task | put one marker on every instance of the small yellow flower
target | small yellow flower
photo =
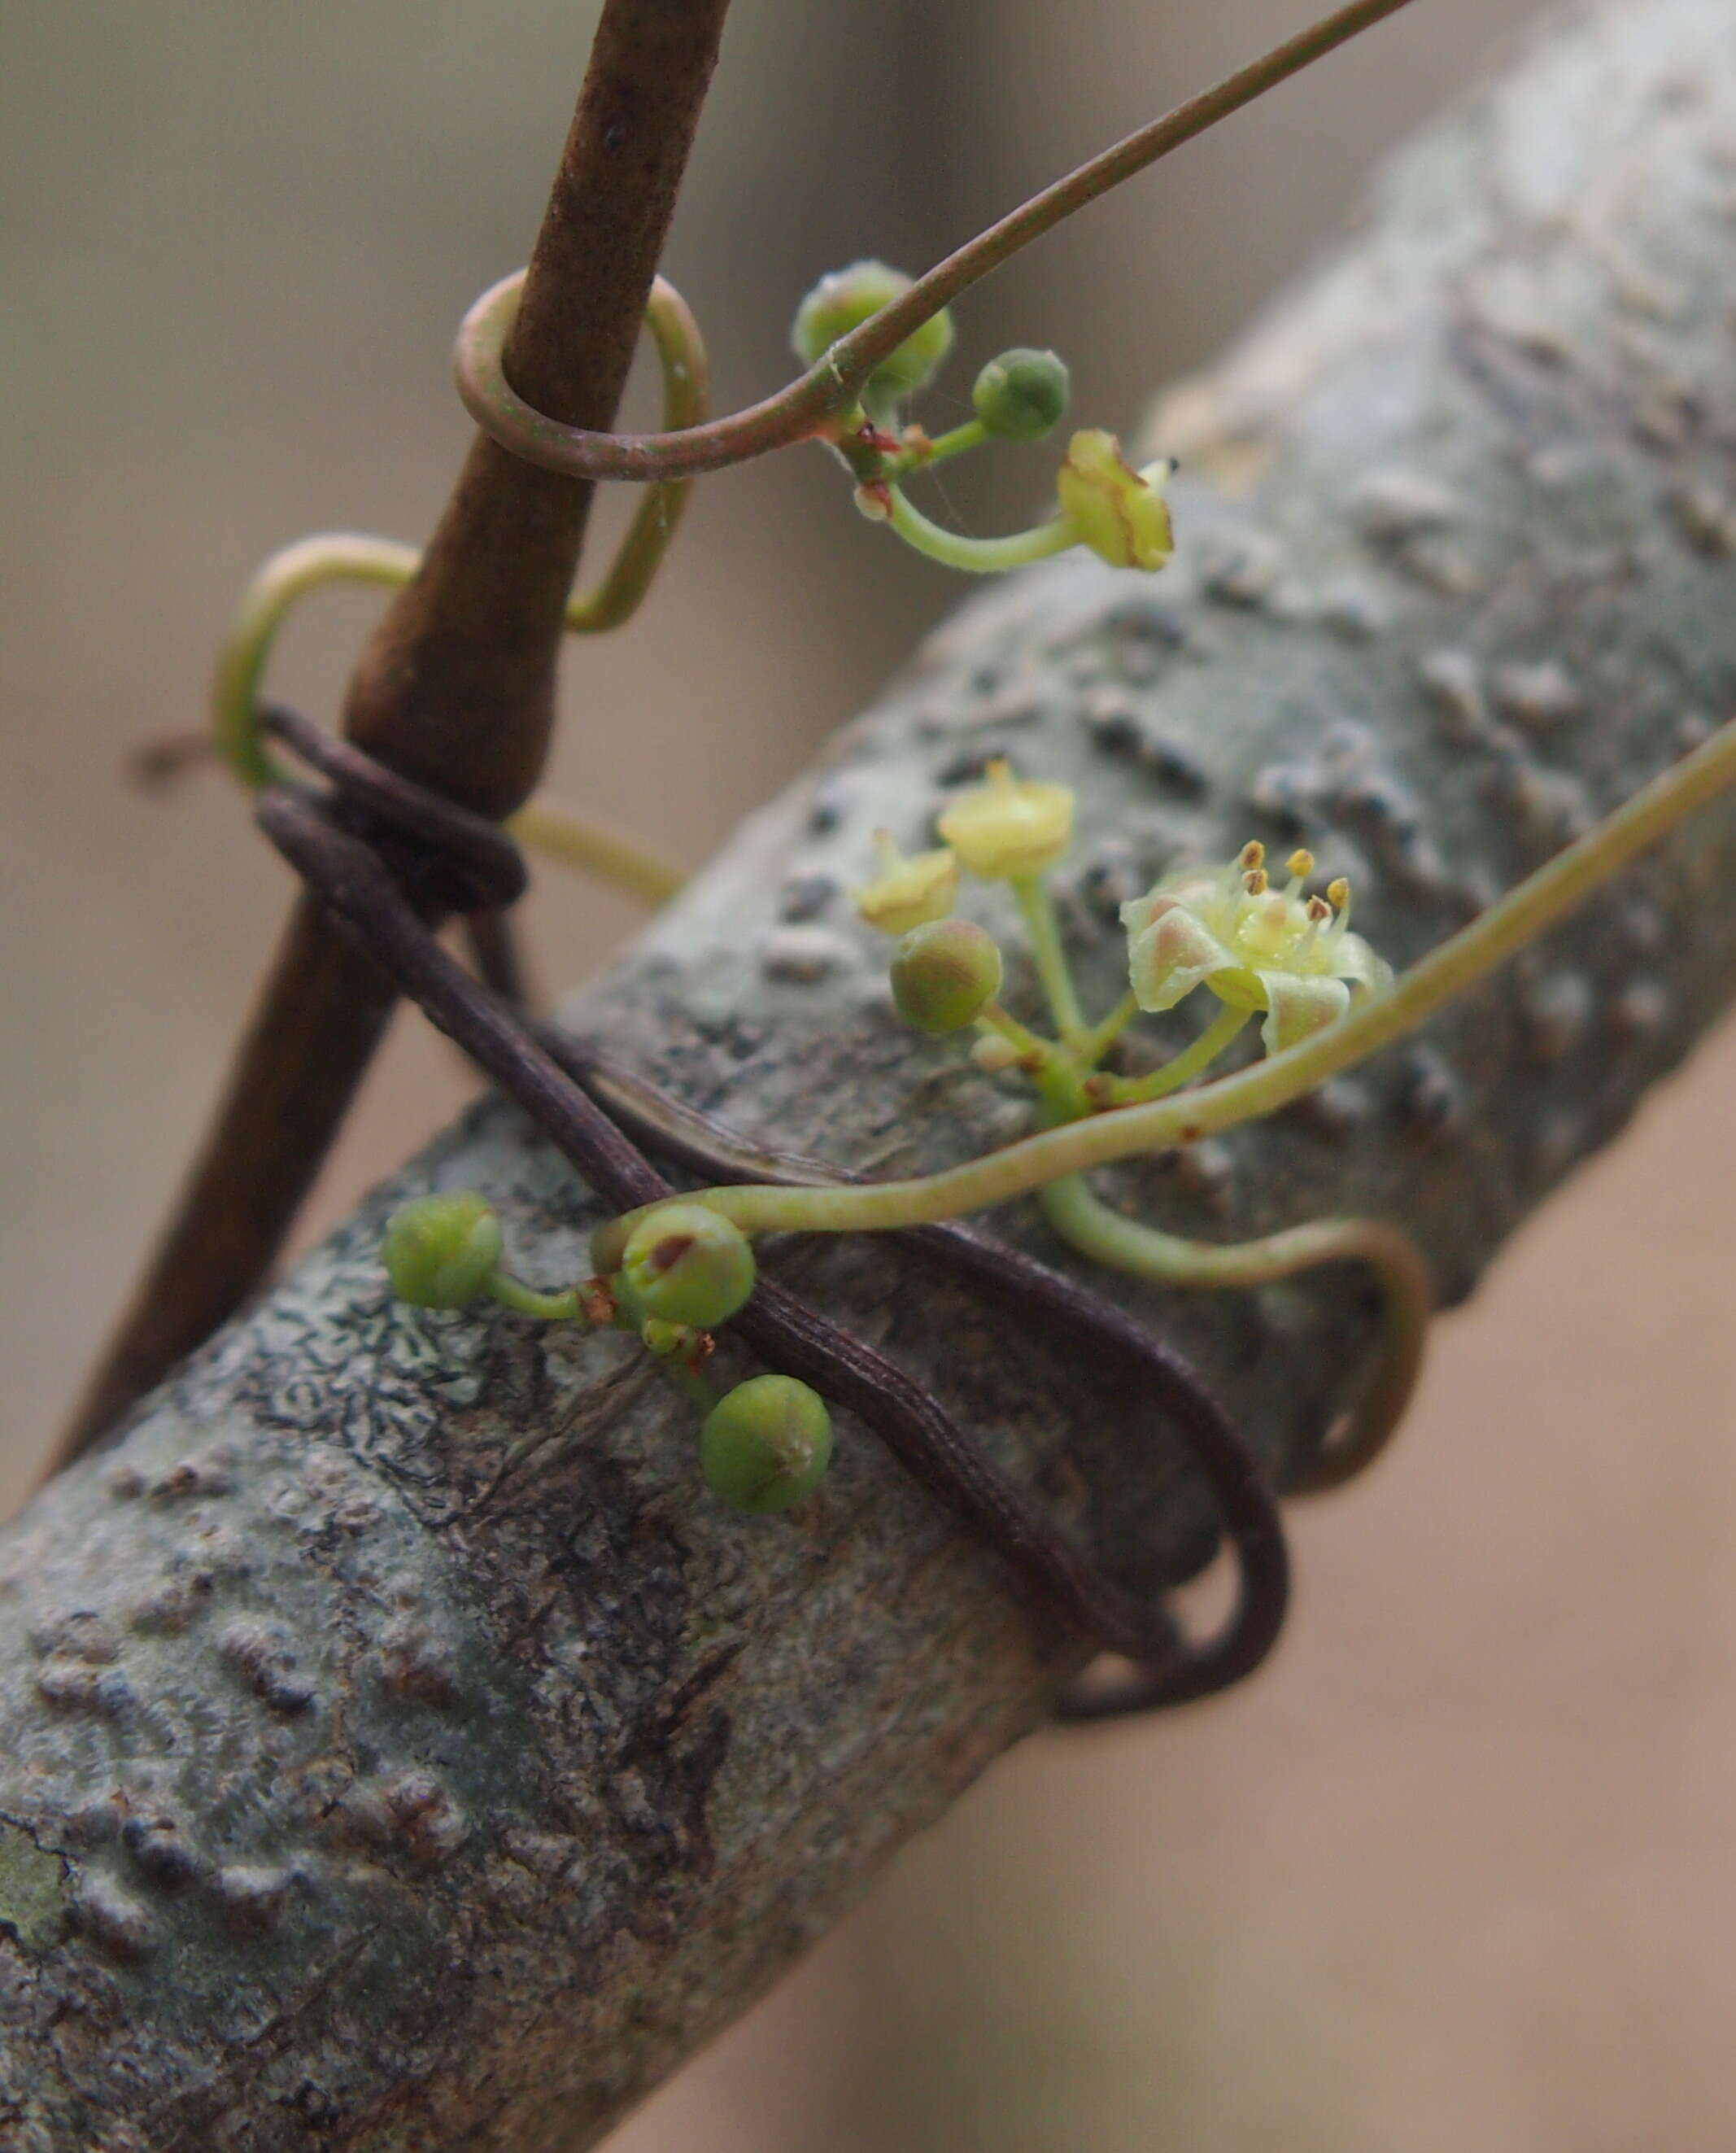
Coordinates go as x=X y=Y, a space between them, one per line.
x=1011 y=827
x=1118 y=512
x=907 y=893
x=1255 y=946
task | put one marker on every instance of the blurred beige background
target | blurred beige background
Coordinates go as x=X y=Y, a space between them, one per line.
x=1455 y=1873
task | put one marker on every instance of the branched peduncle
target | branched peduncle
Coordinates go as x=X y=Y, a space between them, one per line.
x=1465 y=958
x=1256 y=947
x=1330 y=1003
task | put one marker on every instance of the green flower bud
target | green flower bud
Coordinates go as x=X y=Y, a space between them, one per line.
x=944 y=974
x=440 y=1251
x=1021 y=395
x=844 y=301
x=766 y=1444
x=685 y=1263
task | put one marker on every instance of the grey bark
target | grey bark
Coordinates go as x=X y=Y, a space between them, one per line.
x=354 y=1795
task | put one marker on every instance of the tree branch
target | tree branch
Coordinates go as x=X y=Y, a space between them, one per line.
x=394 y=1742
x=456 y=689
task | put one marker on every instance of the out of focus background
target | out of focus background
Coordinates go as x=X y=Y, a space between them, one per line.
x=1456 y=1872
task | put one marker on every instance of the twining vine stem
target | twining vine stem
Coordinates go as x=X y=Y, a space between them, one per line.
x=477 y=627
x=811 y=403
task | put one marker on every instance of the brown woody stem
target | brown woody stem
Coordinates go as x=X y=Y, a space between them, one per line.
x=456 y=690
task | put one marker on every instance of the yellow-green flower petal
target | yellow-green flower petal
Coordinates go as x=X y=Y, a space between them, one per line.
x=1298 y=1007
x=1355 y=961
x=907 y=892
x=1171 y=954
x=1011 y=827
x=1117 y=511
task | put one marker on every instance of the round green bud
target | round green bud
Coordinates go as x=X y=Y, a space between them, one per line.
x=1021 y=395
x=684 y=1263
x=440 y=1251
x=766 y=1444
x=945 y=974
x=844 y=301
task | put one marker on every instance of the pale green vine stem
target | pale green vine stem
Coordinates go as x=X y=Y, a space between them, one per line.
x=1182 y=1068
x=1125 y=1244
x=958 y=441
x=981 y=557
x=562 y=1307
x=546 y=826
x=1459 y=963
x=1037 y=909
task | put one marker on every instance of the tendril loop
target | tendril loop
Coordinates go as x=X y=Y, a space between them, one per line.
x=814 y=402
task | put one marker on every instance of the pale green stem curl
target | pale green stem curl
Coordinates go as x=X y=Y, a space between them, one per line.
x=979 y=557
x=547 y=1307
x=352 y=557
x=1407 y=1298
x=329 y=557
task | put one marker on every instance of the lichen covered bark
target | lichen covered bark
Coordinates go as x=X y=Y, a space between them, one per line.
x=399 y=1749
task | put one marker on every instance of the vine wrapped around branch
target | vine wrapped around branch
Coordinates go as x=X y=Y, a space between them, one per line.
x=348 y=1786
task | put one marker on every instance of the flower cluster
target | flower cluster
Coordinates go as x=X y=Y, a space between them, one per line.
x=945 y=973
x=684 y=1271
x=676 y=1271
x=1279 y=951
x=1102 y=502
x=1002 y=830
